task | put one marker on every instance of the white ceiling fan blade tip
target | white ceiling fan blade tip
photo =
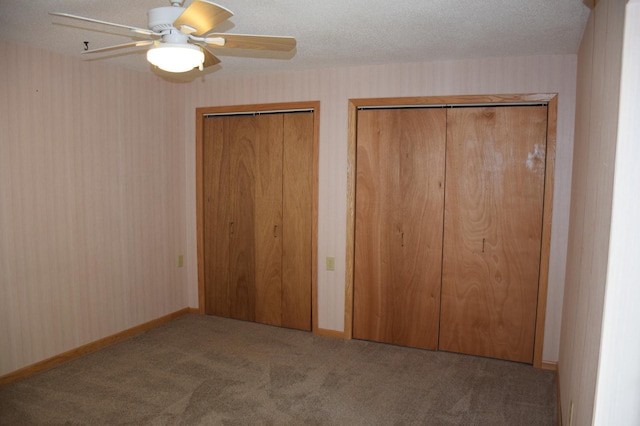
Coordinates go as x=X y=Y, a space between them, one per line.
x=98 y=21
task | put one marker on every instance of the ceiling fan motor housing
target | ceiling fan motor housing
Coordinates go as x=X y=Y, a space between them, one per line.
x=162 y=18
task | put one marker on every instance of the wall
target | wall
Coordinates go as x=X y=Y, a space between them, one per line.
x=91 y=202
x=598 y=89
x=333 y=87
x=618 y=382
x=97 y=166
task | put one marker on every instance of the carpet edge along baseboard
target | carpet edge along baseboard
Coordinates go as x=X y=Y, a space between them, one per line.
x=89 y=347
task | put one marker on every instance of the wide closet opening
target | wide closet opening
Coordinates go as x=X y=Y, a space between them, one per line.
x=257 y=190
x=449 y=222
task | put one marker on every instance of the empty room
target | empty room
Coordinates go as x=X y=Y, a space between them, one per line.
x=337 y=212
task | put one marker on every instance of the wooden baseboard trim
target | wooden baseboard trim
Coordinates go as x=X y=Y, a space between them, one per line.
x=553 y=366
x=329 y=333
x=89 y=347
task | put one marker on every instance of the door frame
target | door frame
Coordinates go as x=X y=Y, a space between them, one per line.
x=489 y=100
x=258 y=108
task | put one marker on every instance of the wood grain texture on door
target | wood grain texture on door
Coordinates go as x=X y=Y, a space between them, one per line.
x=398 y=225
x=242 y=282
x=216 y=215
x=267 y=192
x=495 y=165
x=297 y=191
x=258 y=217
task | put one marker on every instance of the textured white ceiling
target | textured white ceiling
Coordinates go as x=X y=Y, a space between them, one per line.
x=329 y=32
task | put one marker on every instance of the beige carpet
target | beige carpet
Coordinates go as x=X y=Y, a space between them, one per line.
x=203 y=370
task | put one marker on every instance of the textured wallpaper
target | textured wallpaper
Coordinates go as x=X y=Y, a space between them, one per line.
x=97 y=184
x=91 y=203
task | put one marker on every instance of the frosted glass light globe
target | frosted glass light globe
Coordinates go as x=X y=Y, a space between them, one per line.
x=176 y=57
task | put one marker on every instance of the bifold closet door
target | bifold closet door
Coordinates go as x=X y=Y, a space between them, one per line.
x=242 y=173
x=495 y=165
x=257 y=186
x=216 y=215
x=297 y=218
x=398 y=225
x=255 y=248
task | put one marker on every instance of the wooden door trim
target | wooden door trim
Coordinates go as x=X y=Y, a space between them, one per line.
x=282 y=107
x=552 y=110
x=552 y=124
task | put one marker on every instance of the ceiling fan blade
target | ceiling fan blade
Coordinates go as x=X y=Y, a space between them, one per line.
x=120 y=46
x=129 y=27
x=201 y=17
x=245 y=41
x=209 y=58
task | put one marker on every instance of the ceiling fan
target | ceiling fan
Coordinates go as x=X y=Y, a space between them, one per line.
x=180 y=36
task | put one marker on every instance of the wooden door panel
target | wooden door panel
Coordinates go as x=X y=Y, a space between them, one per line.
x=253 y=207
x=268 y=218
x=492 y=232
x=416 y=308
x=377 y=225
x=297 y=217
x=399 y=204
x=216 y=216
x=242 y=286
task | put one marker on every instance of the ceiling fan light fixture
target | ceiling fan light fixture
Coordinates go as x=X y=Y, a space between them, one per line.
x=179 y=37
x=176 y=57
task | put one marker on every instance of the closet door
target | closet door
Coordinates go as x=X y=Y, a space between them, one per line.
x=492 y=230
x=398 y=231
x=258 y=186
x=216 y=215
x=267 y=218
x=242 y=255
x=255 y=248
x=297 y=218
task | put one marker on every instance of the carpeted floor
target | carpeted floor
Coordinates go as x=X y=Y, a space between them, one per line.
x=203 y=370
